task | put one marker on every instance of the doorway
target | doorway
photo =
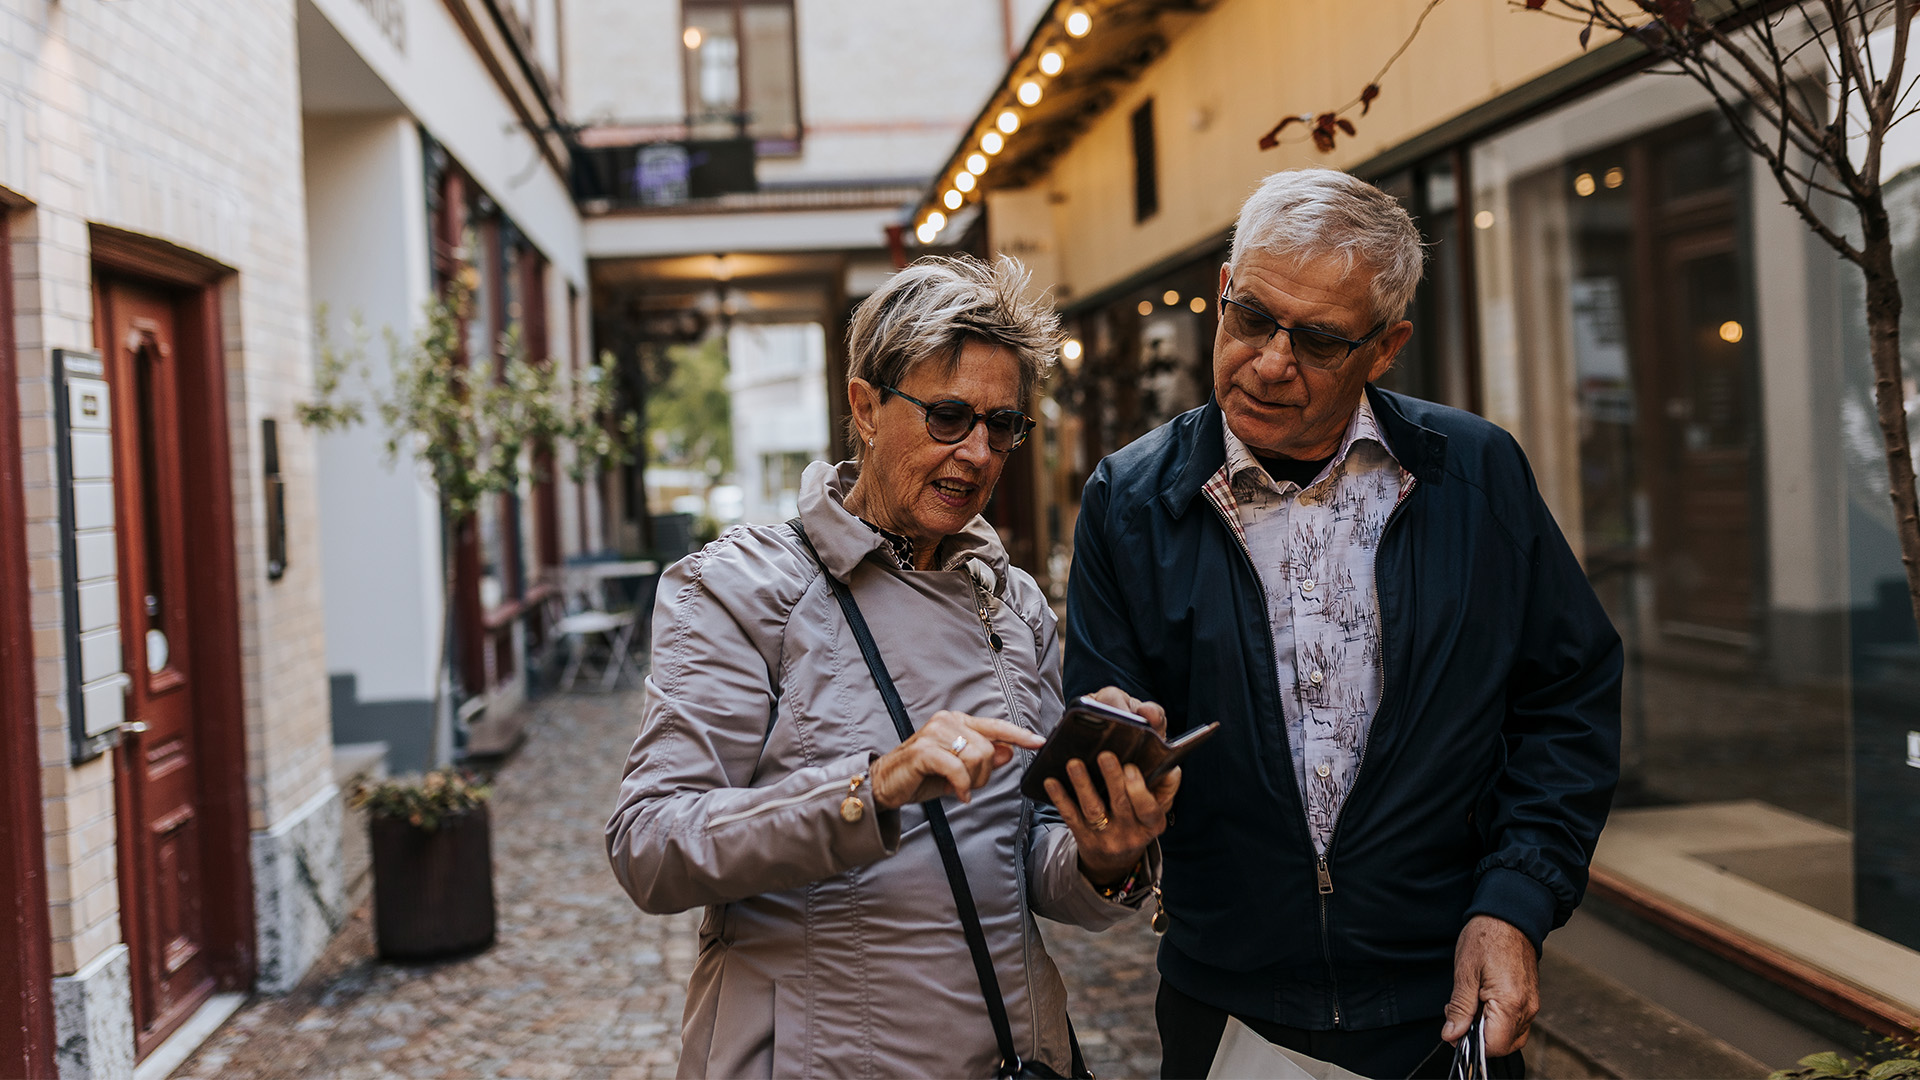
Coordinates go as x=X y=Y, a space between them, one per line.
x=180 y=778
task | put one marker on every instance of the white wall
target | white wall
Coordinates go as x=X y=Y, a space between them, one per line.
x=379 y=524
x=445 y=85
x=777 y=376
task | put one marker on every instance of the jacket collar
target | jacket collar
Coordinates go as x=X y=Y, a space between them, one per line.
x=844 y=541
x=1421 y=450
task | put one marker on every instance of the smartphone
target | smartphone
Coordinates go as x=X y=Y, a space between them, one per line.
x=1089 y=727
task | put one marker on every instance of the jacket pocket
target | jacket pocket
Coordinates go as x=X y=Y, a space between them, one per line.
x=792 y=1029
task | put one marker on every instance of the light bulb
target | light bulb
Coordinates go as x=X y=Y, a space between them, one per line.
x=936 y=221
x=1051 y=62
x=1171 y=298
x=926 y=233
x=1008 y=121
x=1029 y=93
x=964 y=180
x=692 y=37
x=1079 y=23
x=1071 y=350
x=976 y=163
x=991 y=142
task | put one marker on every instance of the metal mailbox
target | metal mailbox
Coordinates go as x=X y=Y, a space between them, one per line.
x=90 y=567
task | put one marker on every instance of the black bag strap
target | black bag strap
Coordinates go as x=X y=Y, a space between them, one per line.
x=1010 y=1063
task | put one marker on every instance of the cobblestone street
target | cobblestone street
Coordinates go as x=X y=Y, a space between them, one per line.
x=580 y=983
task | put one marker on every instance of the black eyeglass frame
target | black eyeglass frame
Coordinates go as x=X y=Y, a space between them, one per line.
x=1279 y=327
x=973 y=420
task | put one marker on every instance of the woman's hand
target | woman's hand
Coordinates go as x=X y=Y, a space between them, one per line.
x=1113 y=838
x=953 y=754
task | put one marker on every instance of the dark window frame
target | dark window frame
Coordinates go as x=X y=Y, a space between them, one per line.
x=765 y=145
x=1146 y=163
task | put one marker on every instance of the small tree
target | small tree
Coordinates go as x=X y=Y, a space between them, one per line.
x=1811 y=88
x=472 y=424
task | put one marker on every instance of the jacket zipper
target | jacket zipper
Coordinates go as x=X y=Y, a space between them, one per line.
x=983 y=607
x=776 y=804
x=1323 y=872
x=1380 y=699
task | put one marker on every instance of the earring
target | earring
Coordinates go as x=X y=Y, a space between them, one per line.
x=869 y=440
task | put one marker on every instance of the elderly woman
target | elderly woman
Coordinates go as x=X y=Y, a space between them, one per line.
x=770 y=784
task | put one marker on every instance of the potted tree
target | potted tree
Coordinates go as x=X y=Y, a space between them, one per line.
x=431 y=841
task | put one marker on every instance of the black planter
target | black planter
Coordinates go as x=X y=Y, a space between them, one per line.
x=432 y=889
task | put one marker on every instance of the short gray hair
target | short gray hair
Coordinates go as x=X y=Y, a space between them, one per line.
x=1308 y=213
x=932 y=309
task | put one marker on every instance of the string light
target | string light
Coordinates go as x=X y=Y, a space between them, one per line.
x=976 y=163
x=1029 y=93
x=991 y=142
x=1051 y=62
x=953 y=199
x=1071 y=350
x=1171 y=298
x=1008 y=121
x=926 y=233
x=936 y=221
x=1079 y=23
x=692 y=37
x=963 y=180
x=1199 y=305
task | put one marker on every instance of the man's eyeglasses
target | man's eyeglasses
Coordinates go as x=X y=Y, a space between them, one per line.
x=1314 y=348
x=951 y=421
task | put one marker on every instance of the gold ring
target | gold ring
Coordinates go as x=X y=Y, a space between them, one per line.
x=959 y=744
x=1099 y=826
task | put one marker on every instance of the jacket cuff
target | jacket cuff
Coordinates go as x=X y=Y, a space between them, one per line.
x=1513 y=897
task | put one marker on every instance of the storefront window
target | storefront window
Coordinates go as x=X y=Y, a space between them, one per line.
x=1689 y=408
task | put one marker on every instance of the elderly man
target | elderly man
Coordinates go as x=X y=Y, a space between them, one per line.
x=1419 y=693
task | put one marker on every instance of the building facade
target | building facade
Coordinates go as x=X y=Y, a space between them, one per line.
x=172 y=665
x=436 y=147
x=748 y=163
x=199 y=596
x=1611 y=279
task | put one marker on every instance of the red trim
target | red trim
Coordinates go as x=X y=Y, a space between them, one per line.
x=213 y=592
x=26 y=937
x=1751 y=954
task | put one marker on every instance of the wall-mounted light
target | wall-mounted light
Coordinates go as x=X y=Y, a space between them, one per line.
x=1079 y=23
x=1008 y=121
x=1029 y=93
x=1051 y=62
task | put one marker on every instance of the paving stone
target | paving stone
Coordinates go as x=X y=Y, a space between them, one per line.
x=580 y=982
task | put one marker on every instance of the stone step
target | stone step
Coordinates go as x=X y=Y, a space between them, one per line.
x=1593 y=1028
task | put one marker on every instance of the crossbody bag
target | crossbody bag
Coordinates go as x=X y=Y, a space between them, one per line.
x=1011 y=1064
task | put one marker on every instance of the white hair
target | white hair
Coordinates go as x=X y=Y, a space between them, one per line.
x=933 y=308
x=1310 y=213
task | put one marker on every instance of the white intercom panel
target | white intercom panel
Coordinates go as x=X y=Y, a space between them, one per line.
x=96 y=681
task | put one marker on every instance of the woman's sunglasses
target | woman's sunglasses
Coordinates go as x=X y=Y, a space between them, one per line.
x=951 y=421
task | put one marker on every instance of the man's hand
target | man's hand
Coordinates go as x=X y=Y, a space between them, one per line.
x=1494 y=966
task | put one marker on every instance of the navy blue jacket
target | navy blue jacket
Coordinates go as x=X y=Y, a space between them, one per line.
x=1492 y=758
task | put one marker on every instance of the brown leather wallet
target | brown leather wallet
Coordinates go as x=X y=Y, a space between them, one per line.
x=1090 y=727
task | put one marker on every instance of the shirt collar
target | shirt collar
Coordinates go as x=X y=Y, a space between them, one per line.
x=1362 y=426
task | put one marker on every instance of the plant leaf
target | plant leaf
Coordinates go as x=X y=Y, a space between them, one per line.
x=1586 y=35
x=1828 y=1063
x=1536 y=5
x=1677 y=13
x=1345 y=125
x=1366 y=97
x=1894 y=1070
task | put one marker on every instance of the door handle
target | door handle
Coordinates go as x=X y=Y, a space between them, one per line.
x=134 y=727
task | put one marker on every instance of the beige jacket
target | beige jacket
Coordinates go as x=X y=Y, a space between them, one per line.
x=832 y=948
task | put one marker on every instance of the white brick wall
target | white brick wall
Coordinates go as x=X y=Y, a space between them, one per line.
x=180 y=121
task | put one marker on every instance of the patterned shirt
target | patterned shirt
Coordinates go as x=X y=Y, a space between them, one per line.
x=1313 y=550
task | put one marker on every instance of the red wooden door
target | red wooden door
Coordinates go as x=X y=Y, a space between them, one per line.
x=161 y=873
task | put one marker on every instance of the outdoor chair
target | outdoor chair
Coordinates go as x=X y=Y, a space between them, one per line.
x=591 y=631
